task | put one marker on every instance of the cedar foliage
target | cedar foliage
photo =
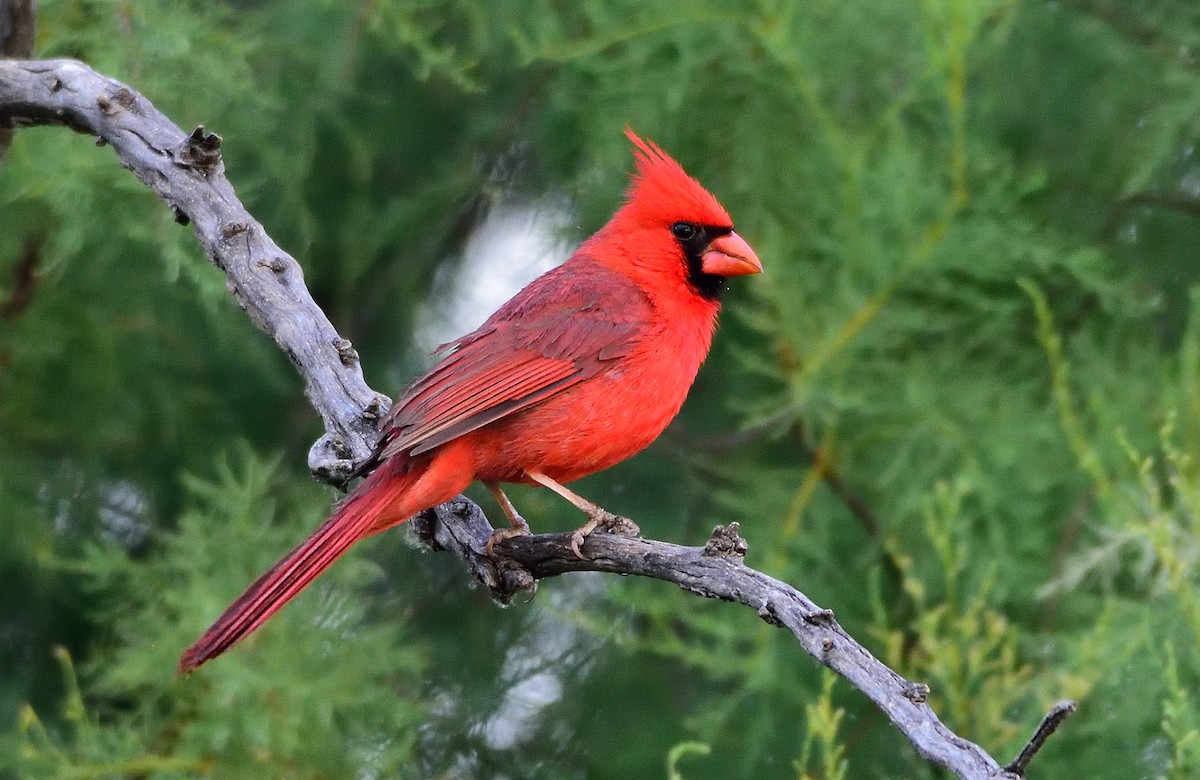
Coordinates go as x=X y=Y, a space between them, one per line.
x=970 y=380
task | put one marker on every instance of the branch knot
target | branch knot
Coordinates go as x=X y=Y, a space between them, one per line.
x=917 y=693
x=200 y=151
x=126 y=99
x=346 y=352
x=377 y=408
x=767 y=613
x=726 y=542
x=818 y=617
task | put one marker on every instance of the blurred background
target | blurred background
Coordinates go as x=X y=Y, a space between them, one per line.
x=961 y=408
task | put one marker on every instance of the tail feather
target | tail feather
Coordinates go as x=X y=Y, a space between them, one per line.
x=355 y=519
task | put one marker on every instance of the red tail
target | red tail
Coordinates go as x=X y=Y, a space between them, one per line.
x=353 y=520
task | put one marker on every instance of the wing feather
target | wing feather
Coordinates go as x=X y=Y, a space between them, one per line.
x=560 y=330
x=509 y=383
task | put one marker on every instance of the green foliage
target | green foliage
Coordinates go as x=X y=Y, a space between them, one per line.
x=1180 y=723
x=822 y=737
x=262 y=714
x=91 y=750
x=957 y=642
x=961 y=408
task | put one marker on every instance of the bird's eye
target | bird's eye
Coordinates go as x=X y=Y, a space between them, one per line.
x=684 y=231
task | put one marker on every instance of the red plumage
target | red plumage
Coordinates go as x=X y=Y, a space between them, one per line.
x=578 y=371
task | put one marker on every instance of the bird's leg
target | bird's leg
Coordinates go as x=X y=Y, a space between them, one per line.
x=517 y=524
x=598 y=517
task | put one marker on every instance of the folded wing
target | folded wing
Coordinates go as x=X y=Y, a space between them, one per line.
x=534 y=347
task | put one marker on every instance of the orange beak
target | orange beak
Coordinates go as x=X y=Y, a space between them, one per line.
x=730 y=255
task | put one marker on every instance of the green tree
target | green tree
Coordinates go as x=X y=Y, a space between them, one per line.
x=962 y=409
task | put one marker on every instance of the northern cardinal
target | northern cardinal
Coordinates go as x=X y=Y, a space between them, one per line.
x=578 y=371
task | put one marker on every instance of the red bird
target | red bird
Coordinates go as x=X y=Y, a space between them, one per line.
x=578 y=371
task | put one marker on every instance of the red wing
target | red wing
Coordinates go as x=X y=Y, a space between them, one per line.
x=559 y=331
x=472 y=393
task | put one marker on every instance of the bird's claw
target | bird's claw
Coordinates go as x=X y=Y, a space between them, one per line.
x=501 y=534
x=605 y=521
x=517 y=527
x=577 y=537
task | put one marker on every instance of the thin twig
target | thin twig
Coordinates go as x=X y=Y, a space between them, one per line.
x=25 y=279
x=1054 y=718
x=857 y=505
x=1168 y=201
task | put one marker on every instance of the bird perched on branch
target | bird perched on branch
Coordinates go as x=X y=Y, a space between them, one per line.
x=578 y=371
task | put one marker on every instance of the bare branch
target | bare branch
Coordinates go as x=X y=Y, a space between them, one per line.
x=715 y=571
x=186 y=172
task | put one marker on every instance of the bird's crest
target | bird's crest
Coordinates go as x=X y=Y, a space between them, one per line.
x=662 y=190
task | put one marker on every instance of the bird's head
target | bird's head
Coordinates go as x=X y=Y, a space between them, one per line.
x=671 y=227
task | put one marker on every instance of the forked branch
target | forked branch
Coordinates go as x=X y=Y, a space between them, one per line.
x=186 y=172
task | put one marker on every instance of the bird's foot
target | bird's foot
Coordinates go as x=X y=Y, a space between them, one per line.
x=603 y=520
x=518 y=527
